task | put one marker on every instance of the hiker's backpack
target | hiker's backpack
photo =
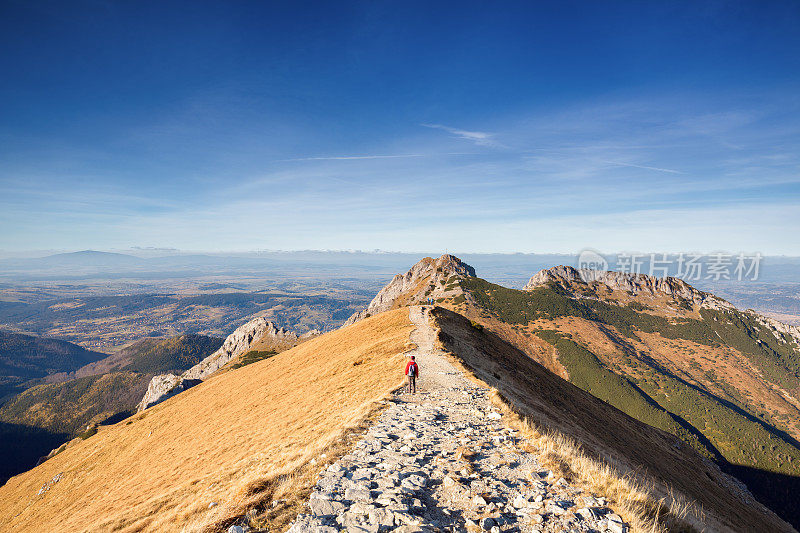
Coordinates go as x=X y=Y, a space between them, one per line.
x=412 y=370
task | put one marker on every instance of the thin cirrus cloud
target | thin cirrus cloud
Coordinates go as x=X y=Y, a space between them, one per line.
x=353 y=157
x=480 y=138
x=644 y=167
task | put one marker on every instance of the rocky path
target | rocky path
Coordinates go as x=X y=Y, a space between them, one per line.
x=442 y=460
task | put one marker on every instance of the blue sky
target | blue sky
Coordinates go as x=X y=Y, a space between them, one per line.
x=473 y=127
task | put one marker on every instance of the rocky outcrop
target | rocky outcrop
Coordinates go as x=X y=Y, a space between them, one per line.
x=429 y=278
x=259 y=330
x=163 y=387
x=575 y=280
x=783 y=332
x=238 y=342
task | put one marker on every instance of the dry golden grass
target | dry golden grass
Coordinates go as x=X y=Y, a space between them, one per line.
x=240 y=439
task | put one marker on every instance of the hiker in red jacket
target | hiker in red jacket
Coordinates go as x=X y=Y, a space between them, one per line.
x=412 y=371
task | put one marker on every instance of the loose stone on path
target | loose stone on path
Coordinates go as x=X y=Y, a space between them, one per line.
x=442 y=460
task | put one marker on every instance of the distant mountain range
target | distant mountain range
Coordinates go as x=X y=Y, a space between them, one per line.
x=496 y=267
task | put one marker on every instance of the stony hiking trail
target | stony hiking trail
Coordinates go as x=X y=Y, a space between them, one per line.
x=442 y=460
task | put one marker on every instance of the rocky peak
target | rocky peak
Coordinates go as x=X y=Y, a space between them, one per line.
x=259 y=330
x=451 y=264
x=573 y=279
x=238 y=343
x=428 y=278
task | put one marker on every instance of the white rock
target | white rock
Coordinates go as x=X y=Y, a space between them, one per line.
x=356 y=494
x=572 y=279
x=617 y=527
x=520 y=501
x=381 y=517
x=320 y=507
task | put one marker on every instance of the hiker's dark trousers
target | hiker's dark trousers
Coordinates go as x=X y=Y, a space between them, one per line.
x=412 y=384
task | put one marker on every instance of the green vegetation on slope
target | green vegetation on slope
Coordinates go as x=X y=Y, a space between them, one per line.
x=779 y=360
x=174 y=354
x=587 y=372
x=68 y=407
x=25 y=357
x=659 y=398
x=253 y=356
x=521 y=307
x=740 y=438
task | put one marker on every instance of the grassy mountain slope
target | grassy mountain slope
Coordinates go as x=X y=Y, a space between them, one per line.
x=228 y=440
x=603 y=431
x=25 y=357
x=657 y=366
x=68 y=407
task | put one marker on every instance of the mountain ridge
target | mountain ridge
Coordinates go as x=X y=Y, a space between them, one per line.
x=632 y=283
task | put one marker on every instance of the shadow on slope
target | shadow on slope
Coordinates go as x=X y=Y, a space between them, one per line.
x=777 y=491
x=21 y=446
x=605 y=432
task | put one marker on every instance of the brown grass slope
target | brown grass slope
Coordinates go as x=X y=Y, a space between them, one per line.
x=604 y=432
x=220 y=442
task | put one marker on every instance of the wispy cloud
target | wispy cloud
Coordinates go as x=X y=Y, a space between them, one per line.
x=351 y=157
x=668 y=170
x=481 y=138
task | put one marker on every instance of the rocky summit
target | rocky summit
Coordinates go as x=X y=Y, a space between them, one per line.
x=573 y=280
x=427 y=279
